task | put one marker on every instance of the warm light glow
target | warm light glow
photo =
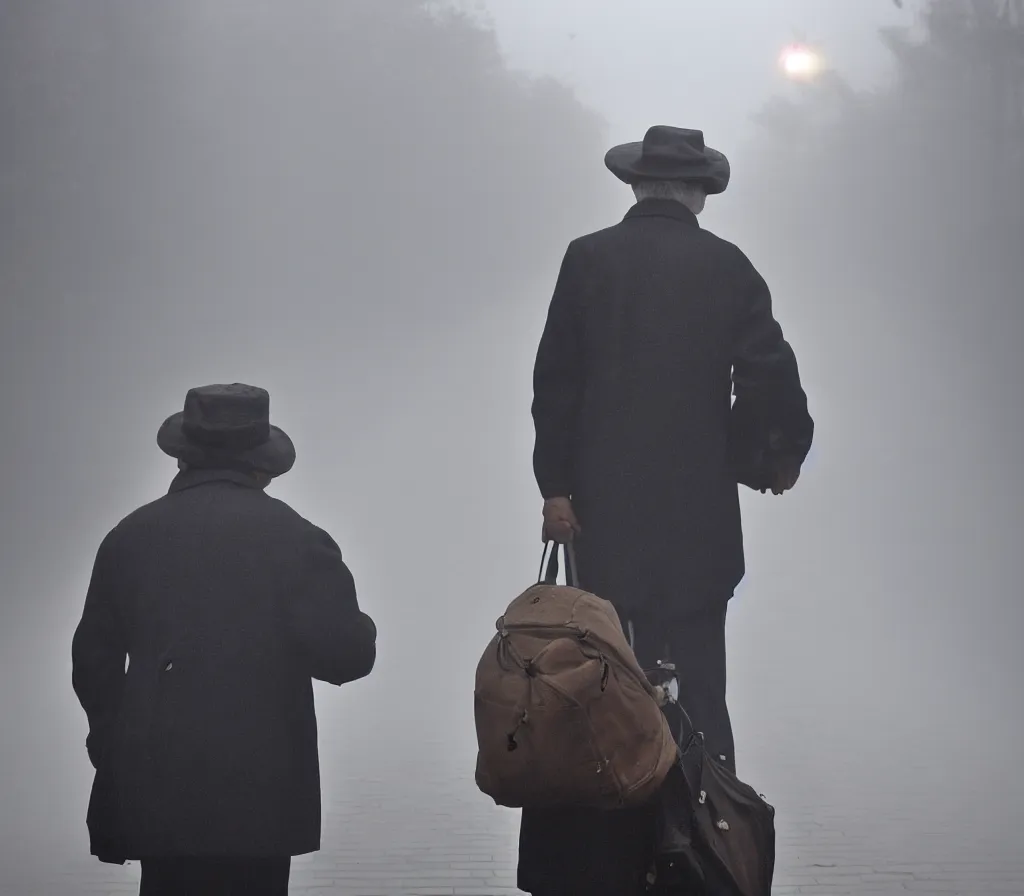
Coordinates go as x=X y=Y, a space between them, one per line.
x=800 y=62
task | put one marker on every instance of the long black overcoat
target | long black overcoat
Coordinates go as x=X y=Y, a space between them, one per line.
x=226 y=604
x=654 y=324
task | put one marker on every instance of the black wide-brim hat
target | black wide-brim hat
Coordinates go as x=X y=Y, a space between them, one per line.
x=229 y=425
x=668 y=153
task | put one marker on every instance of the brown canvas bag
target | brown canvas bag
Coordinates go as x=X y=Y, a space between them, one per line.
x=564 y=714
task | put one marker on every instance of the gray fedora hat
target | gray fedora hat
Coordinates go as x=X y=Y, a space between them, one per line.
x=230 y=425
x=668 y=153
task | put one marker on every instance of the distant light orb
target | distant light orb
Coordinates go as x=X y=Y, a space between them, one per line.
x=800 y=62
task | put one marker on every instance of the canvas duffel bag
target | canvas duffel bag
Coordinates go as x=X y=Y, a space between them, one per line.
x=564 y=714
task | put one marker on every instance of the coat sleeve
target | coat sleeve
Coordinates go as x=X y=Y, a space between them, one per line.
x=337 y=641
x=558 y=383
x=766 y=377
x=99 y=650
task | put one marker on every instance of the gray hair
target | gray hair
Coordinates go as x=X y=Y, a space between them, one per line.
x=690 y=194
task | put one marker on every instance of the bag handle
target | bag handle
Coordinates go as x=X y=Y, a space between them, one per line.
x=548 y=574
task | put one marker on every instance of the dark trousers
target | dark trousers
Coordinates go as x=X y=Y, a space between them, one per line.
x=203 y=876
x=695 y=643
x=569 y=852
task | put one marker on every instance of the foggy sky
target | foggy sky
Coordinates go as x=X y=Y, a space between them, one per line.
x=363 y=212
x=662 y=60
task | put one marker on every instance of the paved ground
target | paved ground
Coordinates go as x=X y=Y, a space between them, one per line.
x=418 y=827
x=439 y=837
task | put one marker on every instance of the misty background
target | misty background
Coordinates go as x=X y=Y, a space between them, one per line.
x=362 y=206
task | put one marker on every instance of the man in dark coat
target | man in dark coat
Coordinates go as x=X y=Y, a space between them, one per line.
x=655 y=323
x=226 y=604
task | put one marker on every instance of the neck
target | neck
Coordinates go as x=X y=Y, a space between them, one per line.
x=663 y=208
x=252 y=478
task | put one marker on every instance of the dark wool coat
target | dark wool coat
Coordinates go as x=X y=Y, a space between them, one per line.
x=226 y=604
x=654 y=323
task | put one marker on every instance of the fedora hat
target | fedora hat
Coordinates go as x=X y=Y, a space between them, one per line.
x=230 y=425
x=668 y=153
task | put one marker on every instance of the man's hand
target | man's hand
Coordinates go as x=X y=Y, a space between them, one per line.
x=787 y=472
x=560 y=523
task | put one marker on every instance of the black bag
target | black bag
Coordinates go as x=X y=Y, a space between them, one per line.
x=715 y=835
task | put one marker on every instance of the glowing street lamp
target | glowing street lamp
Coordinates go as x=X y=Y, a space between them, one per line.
x=800 y=62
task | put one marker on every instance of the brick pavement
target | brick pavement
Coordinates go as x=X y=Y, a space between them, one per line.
x=418 y=827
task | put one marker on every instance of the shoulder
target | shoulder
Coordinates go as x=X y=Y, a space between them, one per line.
x=125 y=536
x=730 y=253
x=595 y=240
x=138 y=520
x=308 y=532
x=577 y=252
x=286 y=513
x=584 y=254
x=182 y=508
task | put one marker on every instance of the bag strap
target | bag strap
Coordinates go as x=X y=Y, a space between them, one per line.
x=548 y=574
x=688 y=733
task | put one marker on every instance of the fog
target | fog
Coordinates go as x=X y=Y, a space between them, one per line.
x=361 y=207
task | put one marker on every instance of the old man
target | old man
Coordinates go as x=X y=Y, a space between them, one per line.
x=226 y=604
x=654 y=325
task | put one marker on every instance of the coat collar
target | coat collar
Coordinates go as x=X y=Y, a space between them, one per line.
x=662 y=208
x=192 y=478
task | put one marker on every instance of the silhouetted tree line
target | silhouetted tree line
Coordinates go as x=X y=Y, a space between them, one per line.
x=934 y=158
x=223 y=151
x=901 y=209
x=889 y=222
x=300 y=193
x=303 y=194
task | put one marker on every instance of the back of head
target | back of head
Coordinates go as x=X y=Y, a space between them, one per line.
x=692 y=195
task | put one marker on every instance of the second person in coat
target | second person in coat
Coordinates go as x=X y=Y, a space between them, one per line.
x=226 y=603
